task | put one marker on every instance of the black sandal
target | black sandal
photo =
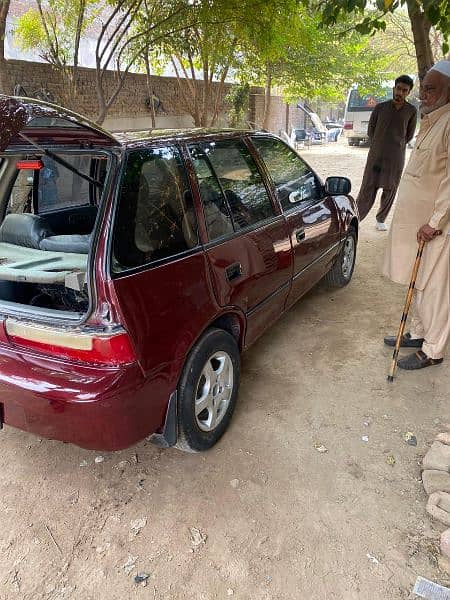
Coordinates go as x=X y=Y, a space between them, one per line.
x=406 y=342
x=418 y=360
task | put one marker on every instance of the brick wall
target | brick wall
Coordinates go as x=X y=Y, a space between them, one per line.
x=130 y=111
x=282 y=116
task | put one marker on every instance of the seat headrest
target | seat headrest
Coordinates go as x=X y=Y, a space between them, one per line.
x=24 y=230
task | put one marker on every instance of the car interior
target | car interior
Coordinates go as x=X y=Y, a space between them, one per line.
x=49 y=214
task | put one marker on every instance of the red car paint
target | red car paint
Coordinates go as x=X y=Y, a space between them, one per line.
x=164 y=307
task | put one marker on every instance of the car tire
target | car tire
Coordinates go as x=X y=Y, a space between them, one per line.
x=351 y=142
x=341 y=272
x=210 y=379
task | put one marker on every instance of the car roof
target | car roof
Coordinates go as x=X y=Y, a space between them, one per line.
x=138 y=138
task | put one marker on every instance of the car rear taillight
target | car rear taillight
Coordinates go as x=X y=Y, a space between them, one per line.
x=348 y=125
x=87 y=346
x=31 y=165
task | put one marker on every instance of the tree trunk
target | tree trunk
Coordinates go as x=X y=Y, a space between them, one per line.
x=267 y=98
x=5 y=82
x=420 y=26
x=150 y=87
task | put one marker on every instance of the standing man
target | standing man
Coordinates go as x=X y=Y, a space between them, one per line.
x=391 y=127
x=423 y=214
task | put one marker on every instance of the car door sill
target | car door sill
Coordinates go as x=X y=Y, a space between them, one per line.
x=256 y=308
x=317 y=260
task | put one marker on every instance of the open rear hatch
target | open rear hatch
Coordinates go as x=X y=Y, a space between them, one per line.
x=54 y=166
x=46 y=124
x=55 y=170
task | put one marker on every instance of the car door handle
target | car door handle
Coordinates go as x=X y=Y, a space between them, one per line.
x=300 y=234
x=234 y=271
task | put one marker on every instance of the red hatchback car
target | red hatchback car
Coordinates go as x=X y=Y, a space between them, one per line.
x=134 y=270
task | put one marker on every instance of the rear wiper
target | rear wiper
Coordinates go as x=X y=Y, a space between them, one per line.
x=62 y=162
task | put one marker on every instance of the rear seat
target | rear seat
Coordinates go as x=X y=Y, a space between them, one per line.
x=24 y=230
x=33 y=231
x=67 y=243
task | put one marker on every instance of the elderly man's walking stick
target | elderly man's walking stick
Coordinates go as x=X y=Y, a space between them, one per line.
x=409 y=297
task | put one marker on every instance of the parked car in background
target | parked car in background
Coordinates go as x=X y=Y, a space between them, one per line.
x=135 y=269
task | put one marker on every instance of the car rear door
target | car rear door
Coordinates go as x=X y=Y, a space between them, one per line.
x=247 y=243
x=311 y=216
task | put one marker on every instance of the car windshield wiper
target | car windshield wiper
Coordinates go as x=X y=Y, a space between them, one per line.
x=62 y=162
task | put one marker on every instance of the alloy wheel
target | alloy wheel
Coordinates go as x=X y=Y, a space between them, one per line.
x=214 y=390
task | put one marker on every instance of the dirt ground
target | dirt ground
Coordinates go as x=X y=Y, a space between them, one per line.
x=264 y=515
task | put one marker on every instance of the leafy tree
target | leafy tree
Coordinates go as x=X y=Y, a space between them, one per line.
x=424 y=15
x=303 y=60
x=132 y=29
x=204 y=55
x=56 y=28
x=154 y=24
x=201 y=57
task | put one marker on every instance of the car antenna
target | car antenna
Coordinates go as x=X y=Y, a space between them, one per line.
x=61 y=161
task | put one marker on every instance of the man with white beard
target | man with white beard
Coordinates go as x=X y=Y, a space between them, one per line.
x=423 y=214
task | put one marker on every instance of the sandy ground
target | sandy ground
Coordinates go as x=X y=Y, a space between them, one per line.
x=276 y=519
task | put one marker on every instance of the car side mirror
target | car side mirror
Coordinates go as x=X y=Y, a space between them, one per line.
x=338 y=185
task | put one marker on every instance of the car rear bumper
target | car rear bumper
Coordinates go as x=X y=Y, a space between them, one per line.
x=93 y=407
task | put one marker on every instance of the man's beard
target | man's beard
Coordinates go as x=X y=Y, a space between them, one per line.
x=425 y=110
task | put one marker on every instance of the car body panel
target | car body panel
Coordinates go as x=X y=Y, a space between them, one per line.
x=263 y=257
x=165 y=306
x=315 y=233
x=95 y=408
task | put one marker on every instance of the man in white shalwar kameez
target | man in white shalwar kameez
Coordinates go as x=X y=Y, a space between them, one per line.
x=423 y=213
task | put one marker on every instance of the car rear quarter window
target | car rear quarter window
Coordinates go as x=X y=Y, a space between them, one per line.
x=233 y=193
x=155 y=217
x=294 y=181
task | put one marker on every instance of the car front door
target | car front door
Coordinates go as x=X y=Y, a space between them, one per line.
x=311 y=216
x=247 y=242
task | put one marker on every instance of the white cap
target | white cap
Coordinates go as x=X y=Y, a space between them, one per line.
x=442 y=66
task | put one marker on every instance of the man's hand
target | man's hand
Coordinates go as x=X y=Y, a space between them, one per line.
x=427 y=233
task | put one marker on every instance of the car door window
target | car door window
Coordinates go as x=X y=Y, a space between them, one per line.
x=234 y=183
x=294 y=181
x=155 y=217
x=215 y=207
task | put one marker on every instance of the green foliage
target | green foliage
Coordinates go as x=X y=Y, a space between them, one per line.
x=304 y=60
x=396 y=44
x=332 y=11
x=238 y=98
x=29 y=31
x=54 y=28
